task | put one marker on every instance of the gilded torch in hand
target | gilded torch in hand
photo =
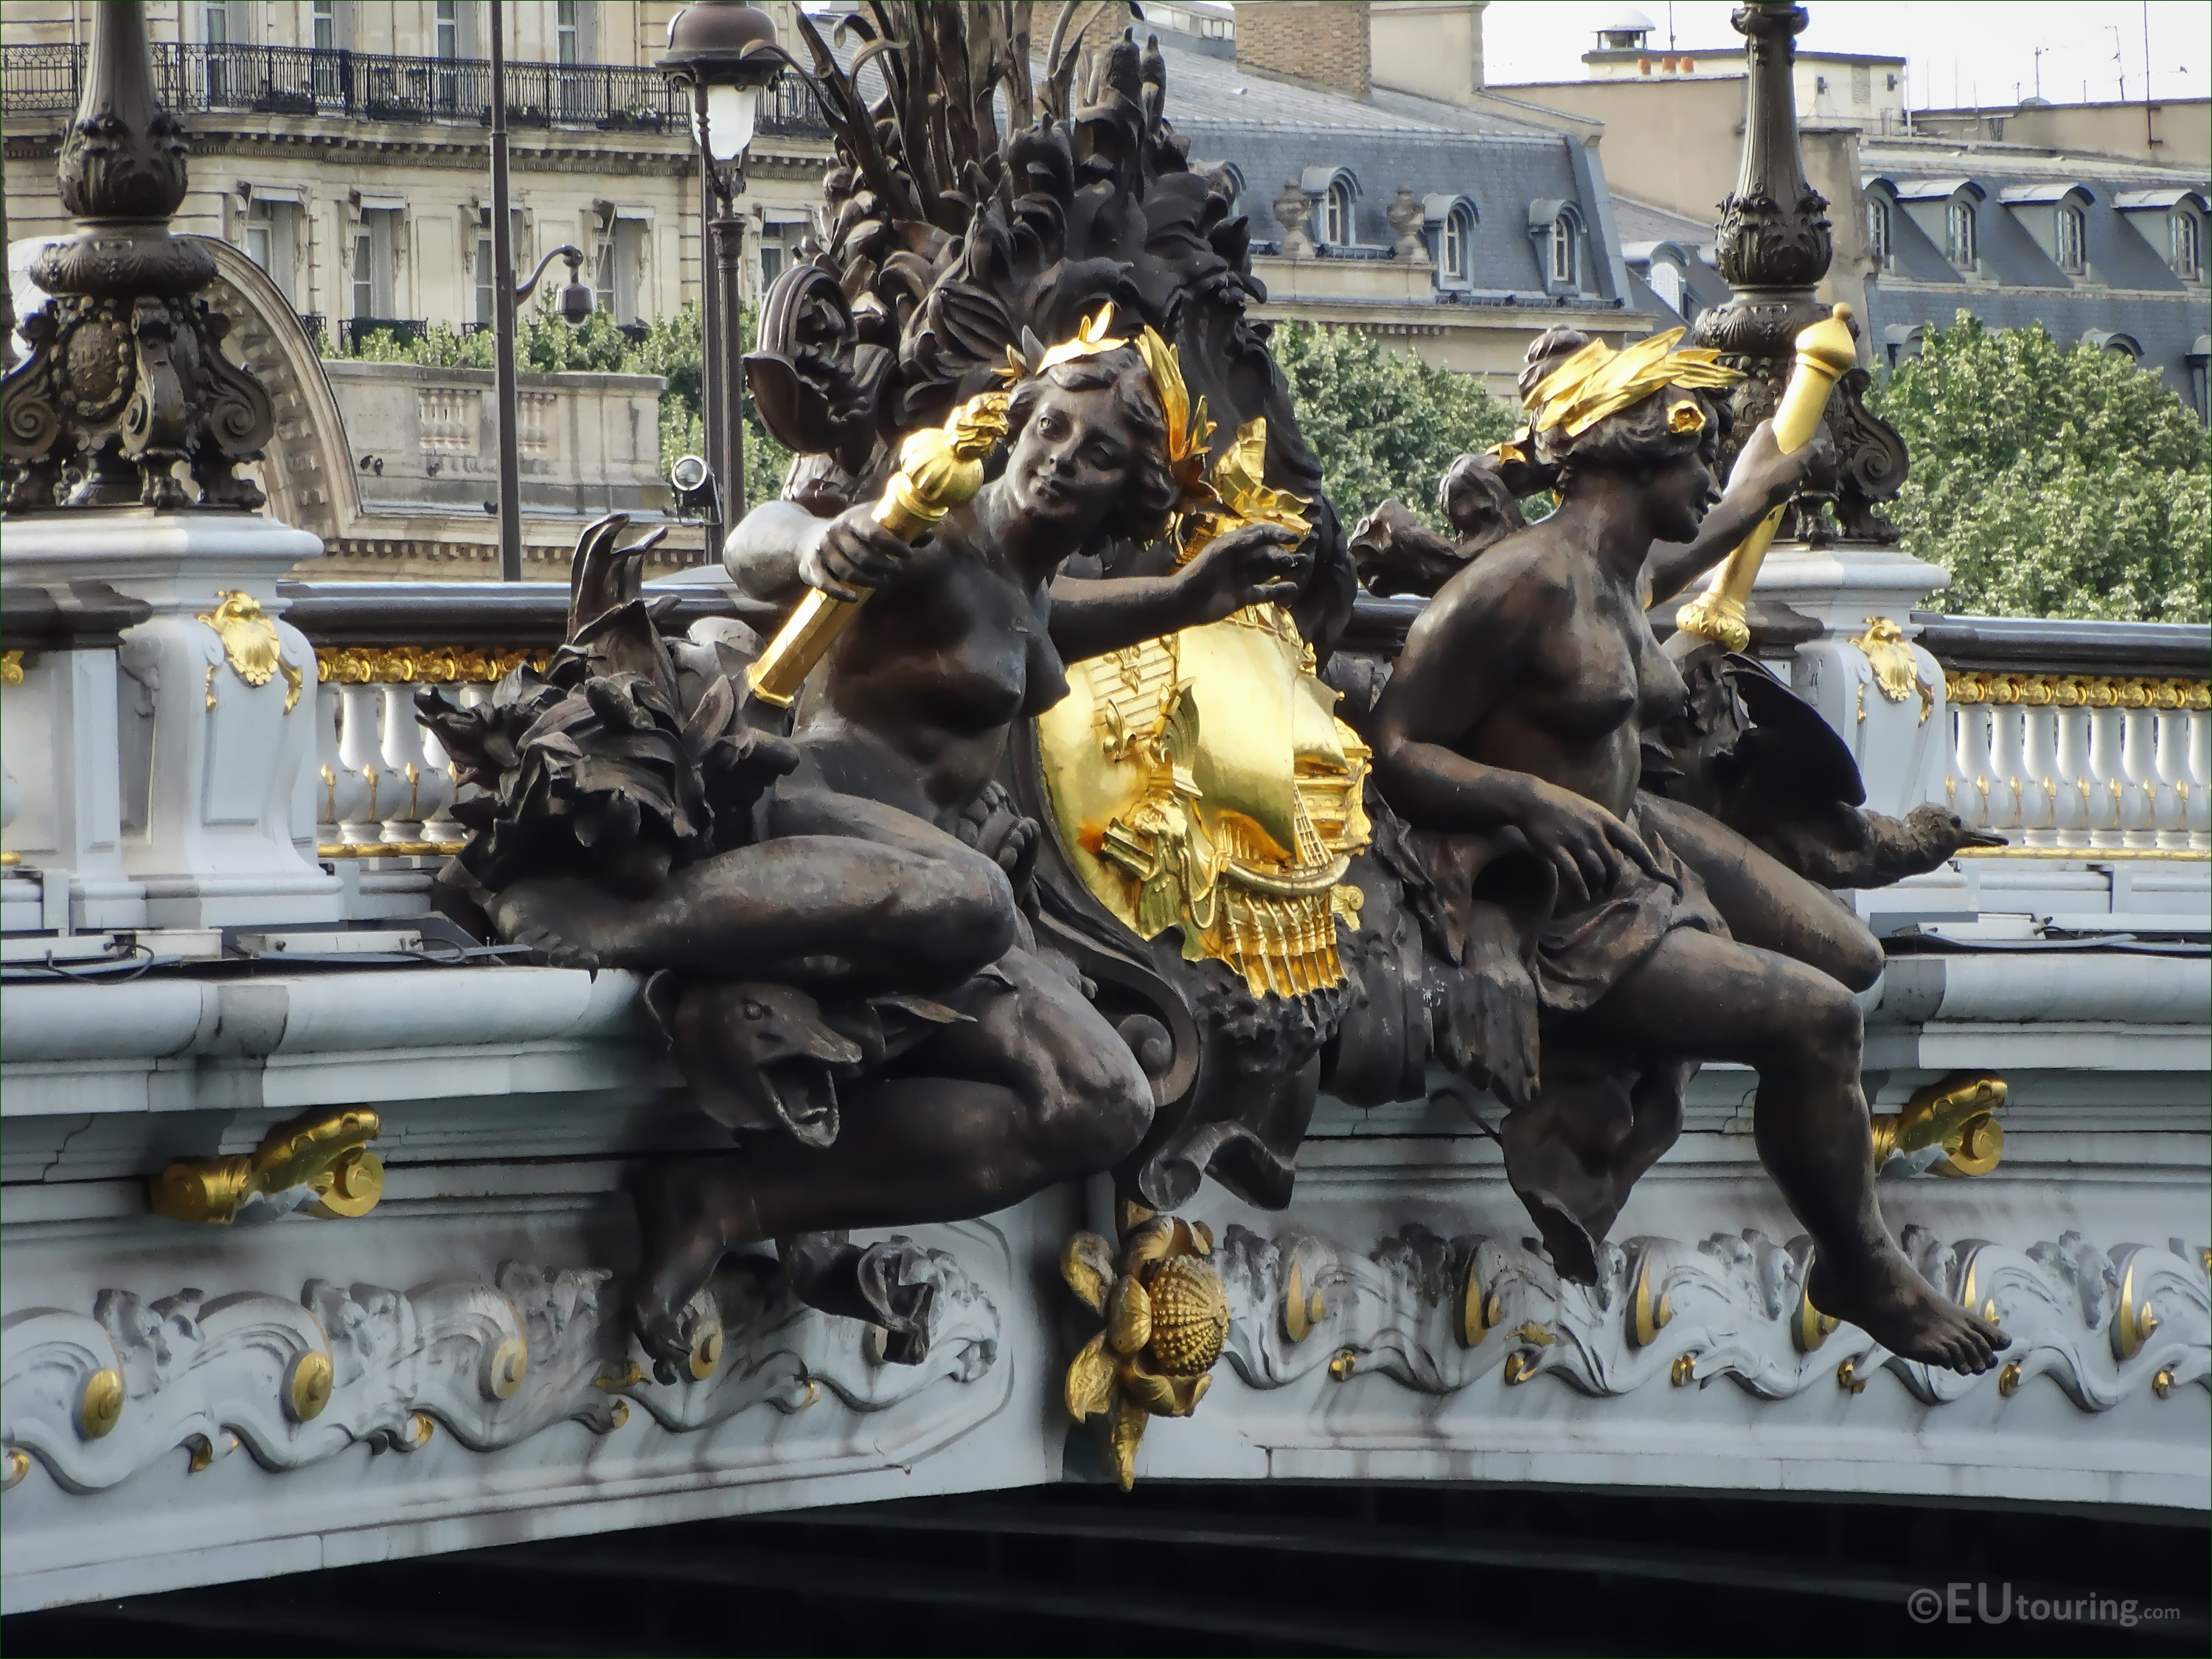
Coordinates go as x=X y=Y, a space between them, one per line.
x=1825 y=352
x=938 y=469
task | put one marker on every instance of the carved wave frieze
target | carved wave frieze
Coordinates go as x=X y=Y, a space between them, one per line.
x=96 y=1398
x=1438 y=1315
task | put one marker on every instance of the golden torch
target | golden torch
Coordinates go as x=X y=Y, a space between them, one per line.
x=938 y=469
x=1825 y=352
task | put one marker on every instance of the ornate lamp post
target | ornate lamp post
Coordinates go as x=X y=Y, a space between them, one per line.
x=575 y=305
x=723 y=54
x=1773 y=245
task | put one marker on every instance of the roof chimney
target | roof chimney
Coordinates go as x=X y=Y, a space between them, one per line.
x=1321 y=43
x=1431 y=48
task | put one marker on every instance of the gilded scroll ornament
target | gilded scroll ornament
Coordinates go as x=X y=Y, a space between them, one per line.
x=494 y=1361
x=1954 y=1118
x=2097 y=1324
x=1167 y=1316
x=319 y=1164
x=250 y=645
x=12 y=668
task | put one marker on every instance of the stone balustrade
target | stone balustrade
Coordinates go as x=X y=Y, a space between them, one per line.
x=2073 y=735
x=2084 y=760
x=2091 y=739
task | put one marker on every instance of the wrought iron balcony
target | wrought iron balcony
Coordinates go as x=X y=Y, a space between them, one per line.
x=46 y=80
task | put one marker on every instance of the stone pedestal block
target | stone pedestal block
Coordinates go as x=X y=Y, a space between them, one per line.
x=203 y=756
x=1865 y=675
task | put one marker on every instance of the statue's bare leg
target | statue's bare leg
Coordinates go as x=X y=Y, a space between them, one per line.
x=1037 y=1090
x=1763 y=901
x=1717 y=998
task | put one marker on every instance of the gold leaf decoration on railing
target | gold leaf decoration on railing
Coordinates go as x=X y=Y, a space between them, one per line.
x=423 y=664
x=1968 y=687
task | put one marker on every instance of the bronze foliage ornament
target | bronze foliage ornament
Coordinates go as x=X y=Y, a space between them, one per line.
x=126 y=378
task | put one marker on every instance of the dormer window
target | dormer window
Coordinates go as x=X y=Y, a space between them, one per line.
x=2073 y=239
x=1458 y=233
x=1962 y=241
x=1878 y=230
x=1564 y=270
x=2185 y=232
x=1336 y=222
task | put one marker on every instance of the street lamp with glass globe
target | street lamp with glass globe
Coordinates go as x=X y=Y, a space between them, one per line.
x=725 y=54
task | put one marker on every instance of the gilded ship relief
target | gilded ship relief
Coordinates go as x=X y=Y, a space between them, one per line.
x=1203 y=780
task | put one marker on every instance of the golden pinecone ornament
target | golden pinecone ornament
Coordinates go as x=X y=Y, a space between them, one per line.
x=1166 y=1317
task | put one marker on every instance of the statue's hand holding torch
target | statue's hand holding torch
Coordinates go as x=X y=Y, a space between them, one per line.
x=939 y=468
x=1826 y=353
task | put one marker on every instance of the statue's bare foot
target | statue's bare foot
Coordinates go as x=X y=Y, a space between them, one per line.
x=685 y=1242
x=571 y=923
x=1888 y=1300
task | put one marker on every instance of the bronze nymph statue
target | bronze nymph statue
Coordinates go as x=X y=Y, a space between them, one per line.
x=1624 y=936
x=878 y=886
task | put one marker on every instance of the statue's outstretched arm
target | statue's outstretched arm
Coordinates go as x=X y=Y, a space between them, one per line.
x=1253 y=564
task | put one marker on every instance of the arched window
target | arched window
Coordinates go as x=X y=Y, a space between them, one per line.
x=2185 y=232
x=1878 y=230
x=1459 y=233
x=1336 y=222
x=1963 y=243
x=1666 y=279
x=2073 y=239
x=1564 y=268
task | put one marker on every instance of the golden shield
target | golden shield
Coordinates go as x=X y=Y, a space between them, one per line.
x=1203 y=780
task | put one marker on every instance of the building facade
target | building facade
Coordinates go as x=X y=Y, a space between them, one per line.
x=342 y=146
x=2094 y=248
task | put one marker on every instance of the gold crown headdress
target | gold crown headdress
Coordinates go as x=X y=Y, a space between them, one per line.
x=1188 y=431
x=1598 y=381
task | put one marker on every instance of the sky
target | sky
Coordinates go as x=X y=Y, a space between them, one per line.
x=1978 y=46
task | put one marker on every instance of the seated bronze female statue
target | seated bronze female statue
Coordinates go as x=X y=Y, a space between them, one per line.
x=862 y=883
x=1622 y=937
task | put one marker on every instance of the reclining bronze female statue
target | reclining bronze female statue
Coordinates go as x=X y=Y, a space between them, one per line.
x=1622 y=936
x=985 y=1075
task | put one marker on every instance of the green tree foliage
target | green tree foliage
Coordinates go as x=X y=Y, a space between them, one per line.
x=1384 y=423
x=672 y=348
x=2051 y=481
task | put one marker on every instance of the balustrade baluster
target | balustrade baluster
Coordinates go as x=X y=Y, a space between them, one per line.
x=1970 y=787
x=424 y=790
x=2039 y=764
x=2169 y=699
x=2139 y=767
x=2197 y=811
x=2112 y=809
x=340 y=792
x=2005 y=743
x=362 y=750
x=2070 y=805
